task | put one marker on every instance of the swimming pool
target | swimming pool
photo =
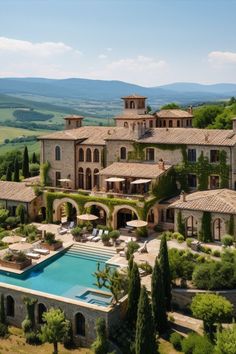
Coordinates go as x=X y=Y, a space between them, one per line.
x=67 y=274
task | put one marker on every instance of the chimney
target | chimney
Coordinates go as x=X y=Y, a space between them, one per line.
x=182 y=196
x=190 y=109
x=161 y=165
x=234 y=124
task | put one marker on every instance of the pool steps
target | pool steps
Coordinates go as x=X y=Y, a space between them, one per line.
x=91 y=252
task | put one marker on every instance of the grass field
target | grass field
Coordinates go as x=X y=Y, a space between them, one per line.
x=15 y=344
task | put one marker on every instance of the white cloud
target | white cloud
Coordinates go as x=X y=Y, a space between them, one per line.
x=8 y=45
x=219 y=57
x=102 y=56
x=109 y=49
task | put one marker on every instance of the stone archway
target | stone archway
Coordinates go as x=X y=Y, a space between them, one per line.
x=129 y=213
x=57 y=203
x=101 y=207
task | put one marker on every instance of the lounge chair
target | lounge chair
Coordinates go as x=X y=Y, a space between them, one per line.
x=33 y=255
x=122 y=253
x=71 y=225
x=62 y=231
x=98 y=237
x=106 y=232
x=42 y=251
x=143 y=249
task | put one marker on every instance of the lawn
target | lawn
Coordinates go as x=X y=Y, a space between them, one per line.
x=11 y=133
x=15 y=344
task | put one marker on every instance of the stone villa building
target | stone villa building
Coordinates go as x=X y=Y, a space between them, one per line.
x=114 y=170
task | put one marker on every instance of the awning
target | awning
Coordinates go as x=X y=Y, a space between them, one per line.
x=141 y=181
x=115 y=179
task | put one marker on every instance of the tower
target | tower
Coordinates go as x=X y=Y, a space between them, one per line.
x=73 y=122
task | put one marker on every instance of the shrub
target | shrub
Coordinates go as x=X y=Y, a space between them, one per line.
x=196 y=344
x=7 y=256
x=3 y=330
x=175 y=235
x=12 y=221
x=180 y=238
x=227 y=240
x=105 y=238
x=205 y=249
x=168 y=235
x=114 y=235
x=216 y=253
x=49 y=238
x=146 y=266
x=20 y=257
x=189 y=240
x=132 y=247
x=176 y=341
x=76 y=231
x=26 y=325
x=33 y=338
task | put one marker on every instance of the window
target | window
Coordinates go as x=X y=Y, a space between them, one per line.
x=132 y=105
x=81 y=178
x=57 y=153
x=164 y=123
x=10 y=310
x=186 y=122
x=79 y=324
x=125 y=124
x=214 y=156
x=96 y=178
x=150 y=153
x=178 y=123
x=214 y=182
x=151 y=124
x=81 y=154
x=151 y=216
x=192 y=156
x=192 y=181
x=41 y=309
x=170 y=123
x=88 y=179
x=96 y=155
x=57 y=177
x=88 y=155
x=123 y=153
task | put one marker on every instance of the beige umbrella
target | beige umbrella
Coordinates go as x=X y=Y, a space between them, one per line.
x=12 y=239
x=137 y=223
x=115 y=179
x=43 y=228
x=87 y=217
x=141 y=181
x=24 y=246
x=64 y=180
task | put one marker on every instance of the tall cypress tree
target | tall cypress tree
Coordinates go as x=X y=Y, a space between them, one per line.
x=165 y=271
x=145 y=340
x=158 y=300
x=8 y=173
x=130 y=265
x=25 y=163
x=34 y=158
x=16 y=174
x=133 y=295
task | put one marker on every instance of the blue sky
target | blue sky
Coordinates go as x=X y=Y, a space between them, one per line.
x=148 y=42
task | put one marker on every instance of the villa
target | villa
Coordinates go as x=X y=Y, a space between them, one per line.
x=114 y=170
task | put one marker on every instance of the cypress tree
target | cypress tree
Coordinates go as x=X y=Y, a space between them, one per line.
x=133 y=295
x=34 y=158
x=25 y=163
x=165 y=271
x=158 y=300
x=2 y=311
x=206 y=234
x=130 y=265
x=145 y=341
x=16 y=174
x=8 y=173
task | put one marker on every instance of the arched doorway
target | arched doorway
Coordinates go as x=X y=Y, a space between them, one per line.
x=65 y=210
x=41 y=214
x=122 y=215
x=80 y=324
x=217 y=229
x=88 y=178
x=10 y=306
x=81 y=178
x=191 y=226
x=41 y=309
x=100 y=210
x=96 y=178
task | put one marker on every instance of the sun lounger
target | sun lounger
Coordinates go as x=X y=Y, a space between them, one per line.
x=143 y=249
x=33 y=255
x=142 y=272
x=106 y=232
x=62 y=231
x=96 y=239
x=94 y=232
x=122 y=253
x=100 y=232
x=90 y=237
x=42 y=251
x=71 y=225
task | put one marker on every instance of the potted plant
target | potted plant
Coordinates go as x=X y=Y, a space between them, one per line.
x=105 y=239
x=77 y=233
x=50 y=243
x=114 y=235
x=15 y=261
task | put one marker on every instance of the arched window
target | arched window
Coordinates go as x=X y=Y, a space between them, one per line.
x=81 y=178
x=170 y=123
x=132 y=105
x=41 y=309
x=88 y=155
x=125 y=124
x=57 y=153
x=10 y=310
x=96 y=178
x=80 y=324
x=96 y=155
x=81 y=154
x=123 y=153
x=88 y=179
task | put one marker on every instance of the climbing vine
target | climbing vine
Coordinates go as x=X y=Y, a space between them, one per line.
x=138 y=152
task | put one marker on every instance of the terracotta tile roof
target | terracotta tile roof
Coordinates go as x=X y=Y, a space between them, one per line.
x=17 y=191
x=190 y=136
x=74 y=116
x=173 y=113
x=134 y=95
x=132 y=115
x=218 y=200
x=128 y=169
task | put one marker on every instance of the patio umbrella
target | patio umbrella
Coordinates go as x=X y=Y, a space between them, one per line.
x=43 y=228
x=24 y=246
x=12 y=239
x=115 y=179
x=141 y=181
x=87 y=217
x=137 y=223
x=64 y=180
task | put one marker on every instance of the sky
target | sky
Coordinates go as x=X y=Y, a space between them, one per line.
x=146 y=42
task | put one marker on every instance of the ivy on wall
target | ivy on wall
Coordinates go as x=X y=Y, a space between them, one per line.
x=231 y=229
x=138 y=152
x=44 y=170
x=166 y=186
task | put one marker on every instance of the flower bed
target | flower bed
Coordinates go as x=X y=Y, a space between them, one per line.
x=15 y=265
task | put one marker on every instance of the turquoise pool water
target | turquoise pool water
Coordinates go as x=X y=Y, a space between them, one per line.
x=68 y=275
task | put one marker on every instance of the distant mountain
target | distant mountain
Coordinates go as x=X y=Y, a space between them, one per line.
x=101 y=90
